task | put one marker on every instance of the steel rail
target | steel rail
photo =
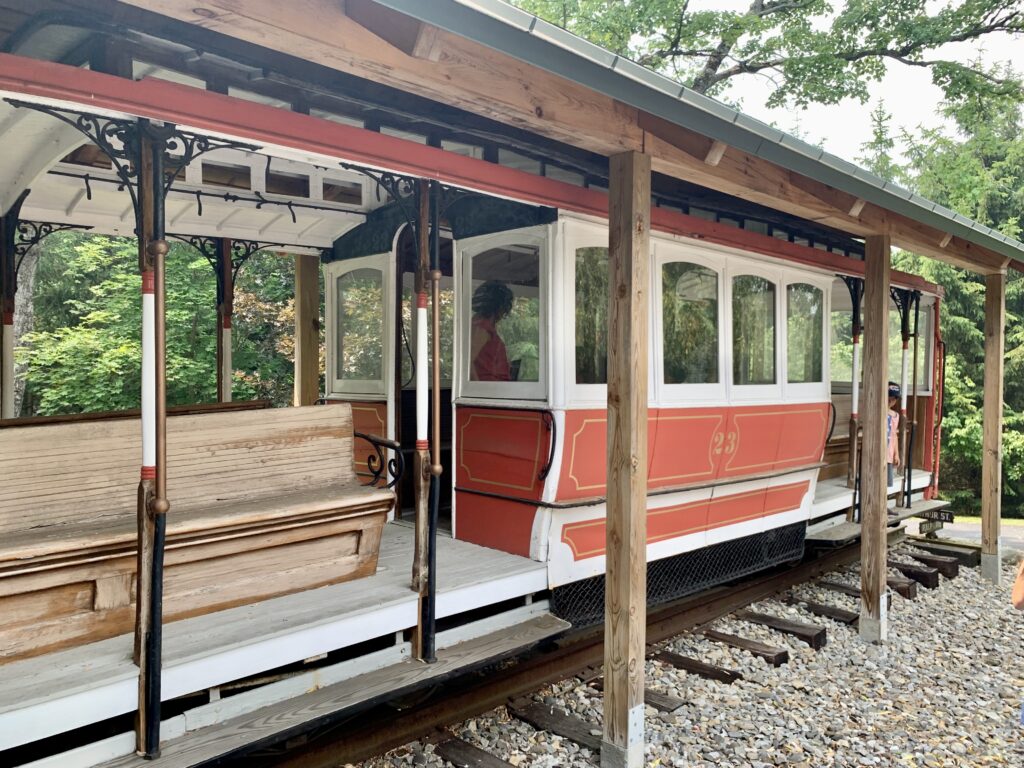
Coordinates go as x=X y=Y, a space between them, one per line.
x=355 y=737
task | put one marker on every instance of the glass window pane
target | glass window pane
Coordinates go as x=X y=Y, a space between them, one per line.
x=591 y=315
x=689 y=307
x=805 y=307
x=841 y=358
x=504 y=342
x=753 y=330
x=360 y=301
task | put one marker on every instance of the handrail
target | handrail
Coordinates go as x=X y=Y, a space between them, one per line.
x=552 y=425
x=192 y=409
x=376 y=462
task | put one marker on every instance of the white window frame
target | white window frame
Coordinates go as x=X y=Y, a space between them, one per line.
x=578 y=234
x=369 y=389
x=540 y=238
x=751 y=393
x=814 y=390
x=674 y=251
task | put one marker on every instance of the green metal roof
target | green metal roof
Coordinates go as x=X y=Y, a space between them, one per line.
x=524 y=36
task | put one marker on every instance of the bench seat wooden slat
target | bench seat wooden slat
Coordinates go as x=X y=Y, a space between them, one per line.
x=263 y=503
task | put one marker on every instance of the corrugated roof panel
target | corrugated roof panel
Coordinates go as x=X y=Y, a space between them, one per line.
x=566 y=55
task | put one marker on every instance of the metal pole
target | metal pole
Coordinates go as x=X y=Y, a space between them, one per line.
x=422 y=474
x=430 y=605
x=158 y=506
x=907 y=467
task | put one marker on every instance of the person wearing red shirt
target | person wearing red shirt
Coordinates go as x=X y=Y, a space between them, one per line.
x=492 y=302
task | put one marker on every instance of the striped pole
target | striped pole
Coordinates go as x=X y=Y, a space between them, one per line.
x=7 y=375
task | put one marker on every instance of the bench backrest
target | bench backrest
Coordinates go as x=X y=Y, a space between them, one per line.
x=86 y=472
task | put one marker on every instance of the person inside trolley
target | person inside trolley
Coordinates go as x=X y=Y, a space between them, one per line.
x=492 y=302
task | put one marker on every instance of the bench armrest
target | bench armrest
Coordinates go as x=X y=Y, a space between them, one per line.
x=376 y=462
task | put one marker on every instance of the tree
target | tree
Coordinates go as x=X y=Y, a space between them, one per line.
x=810 y=52
x=877 y=154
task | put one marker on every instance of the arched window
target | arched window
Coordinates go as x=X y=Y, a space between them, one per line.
x=689 y=310
x=805 y=308
x=753 y=331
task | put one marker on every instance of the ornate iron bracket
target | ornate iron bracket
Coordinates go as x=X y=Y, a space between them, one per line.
x=904 y=300
x=119 y=139
x=377 y=463
x=401 y=189
x=856 y=287
x=31 y=233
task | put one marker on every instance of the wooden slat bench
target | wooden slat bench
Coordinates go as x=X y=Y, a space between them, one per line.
x=263 y=503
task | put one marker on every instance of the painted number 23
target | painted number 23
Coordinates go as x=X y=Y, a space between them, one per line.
x=726 y=443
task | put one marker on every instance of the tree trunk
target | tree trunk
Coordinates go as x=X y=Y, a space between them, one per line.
x=24 y=319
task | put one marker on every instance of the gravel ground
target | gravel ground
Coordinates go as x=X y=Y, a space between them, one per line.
x=945 y=691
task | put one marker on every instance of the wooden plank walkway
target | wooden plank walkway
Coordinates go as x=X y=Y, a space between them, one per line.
x=277 y=722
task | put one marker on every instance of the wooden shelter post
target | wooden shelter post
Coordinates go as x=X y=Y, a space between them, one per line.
x=874 y=486
x=225 y=311
x=307 y=329
x=992 y=451
x=626 y=531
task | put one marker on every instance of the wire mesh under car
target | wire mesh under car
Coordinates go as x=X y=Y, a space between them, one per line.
x=670 y=578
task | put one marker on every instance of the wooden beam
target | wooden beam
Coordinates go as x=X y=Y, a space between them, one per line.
x=715 y=154
x=480 y=80
x=626 y=564
x=992 y=430
x=307 y=329
x=945 y=240
x=857 y=207
x=874 y=407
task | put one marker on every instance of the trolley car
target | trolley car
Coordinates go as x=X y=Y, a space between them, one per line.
x=748 y=425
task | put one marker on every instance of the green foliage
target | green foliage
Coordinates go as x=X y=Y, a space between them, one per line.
x=812 y=50
x=85 y=351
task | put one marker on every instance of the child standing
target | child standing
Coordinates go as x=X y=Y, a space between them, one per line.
x=892 y=425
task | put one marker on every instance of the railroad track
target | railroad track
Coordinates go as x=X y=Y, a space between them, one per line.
x=426 y=716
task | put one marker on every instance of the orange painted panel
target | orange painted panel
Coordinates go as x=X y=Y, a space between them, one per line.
x=502 y=451
x=495 y=523
x=584 y=470
x=751 y=444
x=689 y=446
x=586 y=538
x=804 y=430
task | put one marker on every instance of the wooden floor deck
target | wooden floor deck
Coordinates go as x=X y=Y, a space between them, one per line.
x=834 y=496
x=50 y=694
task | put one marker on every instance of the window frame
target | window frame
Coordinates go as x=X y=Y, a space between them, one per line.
x=810 y=390
x=369 y=389
x=576 y=235
x=742 y=393
x=538 y=237
x=673 y=251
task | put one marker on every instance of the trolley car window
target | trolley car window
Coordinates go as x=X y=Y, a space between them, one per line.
x=805 y=306
x=591 y=315
x=753 y=330
x=504 y=342
x=360 y=312
x=689 y=306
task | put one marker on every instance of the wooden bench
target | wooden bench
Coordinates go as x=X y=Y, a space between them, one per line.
x=263 y=503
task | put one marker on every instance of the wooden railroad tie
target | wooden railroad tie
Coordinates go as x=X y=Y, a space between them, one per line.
x=846 y=589
x=967 y=556
x=545 y=718
x=922 y=574
x=843 y=616
x=774 y=656
x=462 y=754
x=699 y=668
x=812 y=634
x=902 y=586
x=947 y=566
x=662 y=702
